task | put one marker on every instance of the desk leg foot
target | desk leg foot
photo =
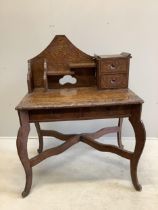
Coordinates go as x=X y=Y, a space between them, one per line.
x=134 y=177
x=140 y=136
x=25 y=193
x=40 y=136
x=22 y=139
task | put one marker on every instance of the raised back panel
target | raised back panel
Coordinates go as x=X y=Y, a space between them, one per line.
x=62 y=58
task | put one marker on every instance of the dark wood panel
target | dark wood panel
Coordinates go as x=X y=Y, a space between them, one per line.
x=82 y=113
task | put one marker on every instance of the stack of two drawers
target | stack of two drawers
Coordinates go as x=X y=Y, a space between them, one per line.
x=113 y=71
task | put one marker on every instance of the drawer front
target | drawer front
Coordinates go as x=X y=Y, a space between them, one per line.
x=114 y=81
x=82 y=113
x=114 y=65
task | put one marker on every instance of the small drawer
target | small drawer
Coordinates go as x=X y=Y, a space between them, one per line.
x=114 y=81
x=113 y=65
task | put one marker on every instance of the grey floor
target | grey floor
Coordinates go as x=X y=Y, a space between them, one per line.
x=79 y=179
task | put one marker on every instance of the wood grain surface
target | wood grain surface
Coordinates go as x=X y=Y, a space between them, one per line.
x=77 y=97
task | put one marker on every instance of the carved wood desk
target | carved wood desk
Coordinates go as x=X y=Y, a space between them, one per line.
x=95 y=88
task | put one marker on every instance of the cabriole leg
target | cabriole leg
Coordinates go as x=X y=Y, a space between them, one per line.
x=40 y=137
x=140 y=136
x=119 y=134
x=22 y=139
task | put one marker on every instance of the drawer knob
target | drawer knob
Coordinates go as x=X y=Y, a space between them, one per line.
x=112 y=66
x=113 y=81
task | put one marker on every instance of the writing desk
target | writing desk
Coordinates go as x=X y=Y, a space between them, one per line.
x=47 y=100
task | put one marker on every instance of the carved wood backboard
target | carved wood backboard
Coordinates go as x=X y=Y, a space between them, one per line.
x=61 y=58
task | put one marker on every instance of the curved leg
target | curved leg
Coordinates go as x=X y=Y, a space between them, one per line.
x=140 y=135
x=22 y=139
x=40 y=136
x=119 y=133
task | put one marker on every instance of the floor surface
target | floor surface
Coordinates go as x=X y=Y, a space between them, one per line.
x=79 y=179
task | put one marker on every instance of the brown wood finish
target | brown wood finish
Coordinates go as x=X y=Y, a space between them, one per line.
x=119 y=133
x=40 y=137
x=114 y=81
x=22 y=139
x=140 y=135
x=113 y=71
x=47 y=100
x=62 y=57
x=77 y=97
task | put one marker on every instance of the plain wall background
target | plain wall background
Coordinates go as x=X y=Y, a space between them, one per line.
x=94 y=26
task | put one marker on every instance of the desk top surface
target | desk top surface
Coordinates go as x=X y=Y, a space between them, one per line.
x=77 y=97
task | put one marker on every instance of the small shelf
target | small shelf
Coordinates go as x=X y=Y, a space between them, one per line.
x=55 y=73
x=59 y=70
x=66 y=70
x=82 y=65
